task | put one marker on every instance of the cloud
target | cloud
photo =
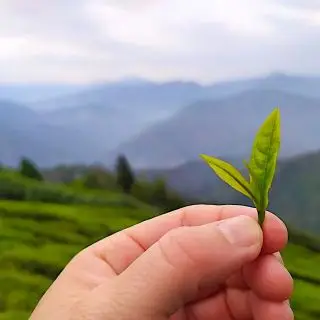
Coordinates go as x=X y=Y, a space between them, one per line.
x=204 y=40
x=304 y=5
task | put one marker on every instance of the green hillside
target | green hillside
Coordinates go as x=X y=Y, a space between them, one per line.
x=296 y=190
x=32 y=253
x=294 y=194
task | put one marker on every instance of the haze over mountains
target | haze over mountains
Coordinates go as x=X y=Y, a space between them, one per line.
x=226 y=127
x=31 y=93
x=156 y=125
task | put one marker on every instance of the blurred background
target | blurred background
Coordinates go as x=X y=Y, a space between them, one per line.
x=105 y=106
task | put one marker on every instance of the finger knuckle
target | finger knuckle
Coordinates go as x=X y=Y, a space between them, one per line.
x=174 y=250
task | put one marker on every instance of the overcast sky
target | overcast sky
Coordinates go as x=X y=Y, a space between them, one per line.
x=202 y=40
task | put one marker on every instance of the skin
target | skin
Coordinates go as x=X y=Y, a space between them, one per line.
x=197 y=263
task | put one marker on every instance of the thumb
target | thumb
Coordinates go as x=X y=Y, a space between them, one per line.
x=170 y=273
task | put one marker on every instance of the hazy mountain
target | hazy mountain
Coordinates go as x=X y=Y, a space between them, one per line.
x=294 y=194
x=196 y=180
x=112 y=113
x=225 y=127
x=129 y=94
x=87 y=123
x=23 y=132
x=84 y=123
x=302 y=85
x=14 y=114
x=30 y=93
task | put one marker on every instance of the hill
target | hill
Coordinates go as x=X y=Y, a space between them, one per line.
x=24 y=132
x=32 y=92
x=195 y=180
x=307 y=86
x=224 y=127
x=294 y=194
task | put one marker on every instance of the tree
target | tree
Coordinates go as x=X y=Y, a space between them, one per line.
x=28 y=169
x=99 y=178
x=125 y=176
x=159 y=193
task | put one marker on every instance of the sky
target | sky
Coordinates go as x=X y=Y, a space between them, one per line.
x=82 y=41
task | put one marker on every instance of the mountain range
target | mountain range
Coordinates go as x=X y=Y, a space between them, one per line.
x=157 y=125
x=33 y=92
x=225 y=127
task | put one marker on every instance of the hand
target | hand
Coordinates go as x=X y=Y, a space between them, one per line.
x=199 y=262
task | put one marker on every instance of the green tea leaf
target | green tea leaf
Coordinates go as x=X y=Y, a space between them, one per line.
x=261 y=166
x=263 y=160
x=229 y=174
x=246 y=164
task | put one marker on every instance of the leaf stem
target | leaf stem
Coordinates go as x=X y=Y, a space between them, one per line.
x=261 y=216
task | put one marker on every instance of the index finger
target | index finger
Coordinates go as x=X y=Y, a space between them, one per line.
x=122 y=248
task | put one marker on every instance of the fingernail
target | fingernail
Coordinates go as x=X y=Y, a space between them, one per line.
x=242 y=231
x=279 y=258
x=289 y=314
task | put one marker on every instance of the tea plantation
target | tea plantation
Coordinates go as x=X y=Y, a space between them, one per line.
x=42 y=226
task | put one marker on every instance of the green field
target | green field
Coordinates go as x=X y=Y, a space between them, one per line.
x=43 y=225
x=32 y=252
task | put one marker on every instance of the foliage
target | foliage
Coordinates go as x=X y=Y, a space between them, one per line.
x=303 y=265
x=28 y=169
x=15 y=187
x=160 y=192
x=65 y=173
x=125 y=175
x=157 y=194
x=261 y=166
x=154 y=193
x=99 y=178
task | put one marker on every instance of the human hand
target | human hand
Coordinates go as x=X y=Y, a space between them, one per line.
x=199 y=262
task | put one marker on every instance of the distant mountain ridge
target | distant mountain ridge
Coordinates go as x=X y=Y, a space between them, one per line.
x=25 y=133
x=26 y=93
x=297 y=84
x=86 y=124
x=225 y=126
x=121 y=110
